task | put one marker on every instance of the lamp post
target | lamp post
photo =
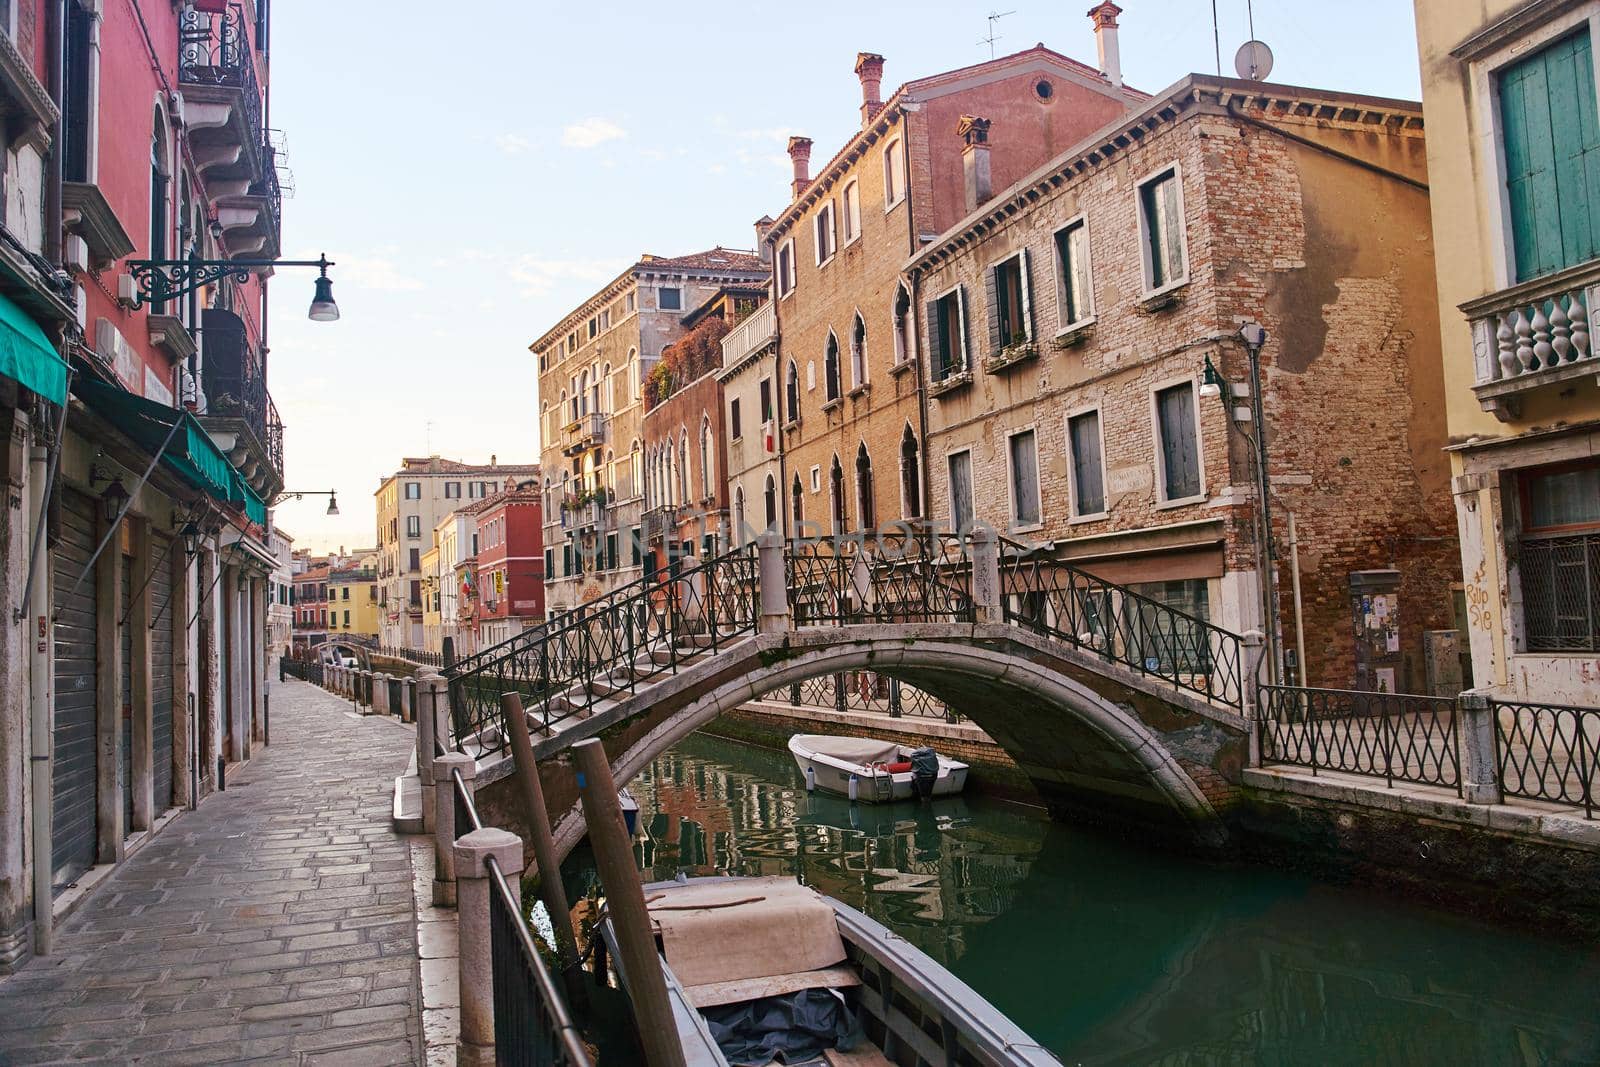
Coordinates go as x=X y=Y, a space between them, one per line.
x=159 y=280
x=1212 y=384
x=333 y=501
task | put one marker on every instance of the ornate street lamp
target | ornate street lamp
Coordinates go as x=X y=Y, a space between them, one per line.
x=159 y=280
x=333 y=501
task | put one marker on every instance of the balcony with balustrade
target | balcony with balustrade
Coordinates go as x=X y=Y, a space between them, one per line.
x=755 y=334
x=222 y=94
x=239 y=414
x=1538 y=335
x=584 y=433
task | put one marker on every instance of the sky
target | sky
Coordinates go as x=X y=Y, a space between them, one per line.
x=475 y=173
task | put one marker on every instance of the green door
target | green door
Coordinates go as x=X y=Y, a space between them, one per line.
x=1552 y=152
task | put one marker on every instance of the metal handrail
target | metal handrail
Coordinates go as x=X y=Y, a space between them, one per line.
x=1399 y=737
x=1548 y=752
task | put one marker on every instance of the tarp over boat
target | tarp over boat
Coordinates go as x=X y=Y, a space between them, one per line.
x=863 y=751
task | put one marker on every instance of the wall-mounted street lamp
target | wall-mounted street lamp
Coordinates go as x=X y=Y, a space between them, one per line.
x=333 y=501
x=190 y=533
x=159 y=280
x=1213 y=384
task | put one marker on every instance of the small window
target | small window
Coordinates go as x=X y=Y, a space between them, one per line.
x=1161 y=225
x=1072 y=274
x=947 y=334
x=791 y=393
x=852 y=211
x=1179 y=455
x=413 y=490
x=452 y=490
x=415 y=560
x=594 y=327
x=1024 y=466
x=669 y=298
x=830 y=368
x=826 y=237
x=786 y=268
x=858 y=352
x=1043 y=89
x=1010 y=303
x=961 y=513
x=735 y=429
x=1556 y=558
x=1088 y=473
x=766 y=400
x=816 y=478
x=413 y=526
x=628 y=302
x=894 y=175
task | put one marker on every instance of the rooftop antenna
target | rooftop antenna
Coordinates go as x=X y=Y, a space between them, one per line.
x=429 y=432
x=1216 y=37
x=994 y=17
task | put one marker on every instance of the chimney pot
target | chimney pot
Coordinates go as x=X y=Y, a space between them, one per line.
x=975 y=167
x=800 y=156
x=869 y=68
x=1104 y=17
x=763 y=227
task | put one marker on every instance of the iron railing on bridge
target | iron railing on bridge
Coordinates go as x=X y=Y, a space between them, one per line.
x=1069 y=604
x=914 y=576
x=1548 y=752
x=1398 y=737
x=420 y=656
x=532 y=1027
x=864 y=691
x=307 y=670
x=604 y=649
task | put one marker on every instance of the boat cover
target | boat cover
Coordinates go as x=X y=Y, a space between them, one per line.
x=796 y=1026
x=715 y=932
x=863 y=751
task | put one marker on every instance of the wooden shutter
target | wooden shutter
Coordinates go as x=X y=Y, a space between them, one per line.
x=961 y=326
x=1172 y=218
x=938 y=365
x=1179 y=445
x=1087 y=485
x=1025 y=478
x=1551 y=141
x=991 y=296
x=1026 y=274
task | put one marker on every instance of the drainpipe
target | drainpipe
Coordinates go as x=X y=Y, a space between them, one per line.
x=40 y=686
x=55 y=45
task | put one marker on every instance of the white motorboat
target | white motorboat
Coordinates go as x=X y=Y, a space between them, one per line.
x=867 y=769
x=763 y=968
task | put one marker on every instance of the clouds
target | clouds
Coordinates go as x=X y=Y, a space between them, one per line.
x=513 y=144
x=378 y=271
x=538 y=275
x=591 y=133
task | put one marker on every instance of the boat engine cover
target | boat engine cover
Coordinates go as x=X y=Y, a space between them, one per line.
x=924 y=770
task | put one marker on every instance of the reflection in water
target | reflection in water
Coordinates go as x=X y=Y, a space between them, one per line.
x=1108 y=953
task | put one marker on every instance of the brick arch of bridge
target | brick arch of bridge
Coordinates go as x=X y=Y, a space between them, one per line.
x=1096 y=740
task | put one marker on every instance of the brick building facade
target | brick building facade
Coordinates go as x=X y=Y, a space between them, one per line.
x=1067 y=323
x=848 y=400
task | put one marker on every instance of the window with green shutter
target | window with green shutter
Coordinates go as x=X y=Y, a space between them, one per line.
x=1551 y=140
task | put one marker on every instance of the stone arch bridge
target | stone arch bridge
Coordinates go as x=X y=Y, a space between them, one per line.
x=1116 y=706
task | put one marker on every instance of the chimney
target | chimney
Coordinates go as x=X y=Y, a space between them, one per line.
x=494 y=460
x=800 y=156
x=869 y=68
x=974 y=133
x=1104 y=17
x=763 y=227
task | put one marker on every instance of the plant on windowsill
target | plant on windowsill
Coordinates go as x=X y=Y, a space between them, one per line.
x=954 y=378
x=1017 y=349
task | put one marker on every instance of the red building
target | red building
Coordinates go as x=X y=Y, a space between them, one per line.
x=510 y=564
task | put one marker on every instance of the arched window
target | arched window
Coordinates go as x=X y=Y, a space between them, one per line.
x=560 y=414
x=582 y=398
x=603 y=380
x=160 y=176
x=683 y=464
x=865 y=512
x=594 y=393
x=796 y=504
x=830 y=367
x=910 y=475
x=858 y=352
x=635 y=383
x=610 y=479
x=836 y=498
x=738 y=514
x=707 y=474
x=635 y=470
x=852 y=212
x=791 y=393
x=903 y=346
x=770 y=499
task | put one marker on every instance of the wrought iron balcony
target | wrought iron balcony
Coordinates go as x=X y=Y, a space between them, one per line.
x=239 y=413
x=253 y=220
x=222 y=96
x=1534 y=335
x=660 y=522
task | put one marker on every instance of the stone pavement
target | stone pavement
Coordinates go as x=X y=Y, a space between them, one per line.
x=273 y=924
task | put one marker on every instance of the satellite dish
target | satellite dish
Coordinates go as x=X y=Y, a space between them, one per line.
x=1253 y=61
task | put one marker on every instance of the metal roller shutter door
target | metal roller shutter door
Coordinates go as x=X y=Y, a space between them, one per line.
x=125 y=636
x=161 y=670
x=72 y=816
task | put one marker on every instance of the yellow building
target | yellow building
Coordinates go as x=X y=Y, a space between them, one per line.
x=353 y=602
x=432 y=631
x=1509 y=96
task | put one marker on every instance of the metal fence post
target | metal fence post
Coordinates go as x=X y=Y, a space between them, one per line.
x=1475 y=734
x=445 y=830
x=988 y=602
x=1253 y=645
x=471 y=855
x=772 y=584
x=430 y=691
x=896 y=709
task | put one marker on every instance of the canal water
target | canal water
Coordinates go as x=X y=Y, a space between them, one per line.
x=1109 y=952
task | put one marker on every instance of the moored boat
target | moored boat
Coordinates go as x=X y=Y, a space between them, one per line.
x=759 y=968
x=868 y=769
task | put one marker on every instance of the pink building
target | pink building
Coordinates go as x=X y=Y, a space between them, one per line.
x=510 y=565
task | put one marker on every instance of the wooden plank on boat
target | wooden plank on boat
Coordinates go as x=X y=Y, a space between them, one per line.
x=863 y=1055
x=905 y=1028
x=712 y=994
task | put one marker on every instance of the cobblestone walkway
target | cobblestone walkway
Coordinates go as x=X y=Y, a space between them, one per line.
x=274 y=924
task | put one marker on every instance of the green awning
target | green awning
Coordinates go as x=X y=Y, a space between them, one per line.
x=254 y=509
x=191 y=453
x=27 y=356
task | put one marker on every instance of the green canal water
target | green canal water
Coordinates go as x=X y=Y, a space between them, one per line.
x=1109 y=952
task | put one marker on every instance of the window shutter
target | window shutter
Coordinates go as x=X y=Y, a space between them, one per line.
x=1027 y=296
x=1174 y=228
x=991 y=290
x=961 y=319
x=937 y=364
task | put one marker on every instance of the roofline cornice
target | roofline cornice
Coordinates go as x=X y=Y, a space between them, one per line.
x=1195 y=94
x=631 y=277
x=855 y=148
